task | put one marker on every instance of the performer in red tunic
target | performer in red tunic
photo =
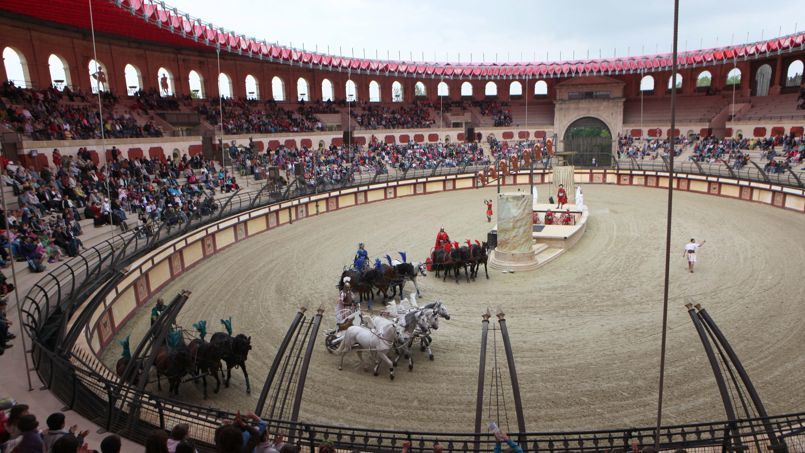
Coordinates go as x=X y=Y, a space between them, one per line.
x=549 y=218
x=488 y=204
x=567 y=218
x=535 y=218
x=561 y=197
x=441 y=239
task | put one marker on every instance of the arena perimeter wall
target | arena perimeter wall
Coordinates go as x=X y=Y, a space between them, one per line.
x=148 y=275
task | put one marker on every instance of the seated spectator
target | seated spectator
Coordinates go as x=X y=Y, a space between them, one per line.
x=30 y=439
x=178 y=435
x=111 y=444
x=56 y=431
x=157 y=442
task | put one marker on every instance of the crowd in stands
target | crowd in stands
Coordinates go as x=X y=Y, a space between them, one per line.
x=50 y=114
x=647 y=147
x=45 y=226
x=499 y=111
x=248 y=116
x=416 y=116
x=21 y=432
x=151 y=99
x=779 y=152
x=340 y=164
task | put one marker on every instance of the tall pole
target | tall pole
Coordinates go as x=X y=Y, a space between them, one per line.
x=479 y=400
x=526 y=104
x=220 y=106
x=518 y=403
x=664 y=339
x=349 y=115
x=100 y=110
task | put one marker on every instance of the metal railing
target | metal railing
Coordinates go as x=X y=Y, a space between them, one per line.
x=748 y=172
x=58 y=308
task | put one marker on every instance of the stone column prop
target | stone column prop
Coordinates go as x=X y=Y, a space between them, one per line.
x=515 y=250
x=564 y=175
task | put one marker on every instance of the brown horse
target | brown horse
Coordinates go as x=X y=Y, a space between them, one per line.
x=123 y=363
x=174 y=363
x=206 y=358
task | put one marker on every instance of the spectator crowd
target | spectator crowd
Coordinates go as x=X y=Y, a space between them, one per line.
x=50 y=114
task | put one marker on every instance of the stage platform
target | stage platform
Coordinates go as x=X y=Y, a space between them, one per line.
x=551 y=241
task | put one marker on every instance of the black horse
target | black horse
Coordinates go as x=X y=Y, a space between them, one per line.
x=206 y=359
x=234 y=351
x=478 y=256
x=359 y=283
x=173 y=363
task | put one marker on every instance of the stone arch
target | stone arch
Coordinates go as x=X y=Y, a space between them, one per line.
x=588 y=137
x=165 y=82
x=224 y=85
x=98 y=76
x=59 y=72
x=277 y=89
x=134 y=79
x=491 y=89
x=252 y=87
x=16 y=67
x=196 y=83
x=327 y=92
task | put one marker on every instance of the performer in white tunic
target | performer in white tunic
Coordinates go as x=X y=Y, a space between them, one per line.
x=534 y=201
x=690 y=252
x=579 y=198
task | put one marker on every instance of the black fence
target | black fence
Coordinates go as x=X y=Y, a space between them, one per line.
x=76 y=288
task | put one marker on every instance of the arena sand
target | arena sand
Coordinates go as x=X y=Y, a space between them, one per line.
x=585 y=329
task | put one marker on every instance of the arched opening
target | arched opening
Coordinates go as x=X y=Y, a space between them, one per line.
x=677 y=79
x=647 y=84
x=586 y=139
x=59 y=72
x=16 y=68
x=134 y=79
x=196 y=83
x=374 y=91
x=734 y=77
x=794 y=75
x=704 y=80
x=352 y=91
x=419 y=90
x=491 y=89
x=442 y=89
x=224 y=86
x=326 y=90
x=252 y=88
x=515 y=89
x=302 y=90
x=466 y=90
x=396 y=92
x=541 y=88
x=762 y=80
x=277 y=89
x=165 y=81
x=97 y=76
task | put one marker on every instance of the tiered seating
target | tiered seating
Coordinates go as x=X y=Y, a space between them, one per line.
x=538 y=113
x=783 y=106
x=689 y=109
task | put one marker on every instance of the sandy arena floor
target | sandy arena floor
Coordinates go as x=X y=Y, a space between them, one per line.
x=585 y=328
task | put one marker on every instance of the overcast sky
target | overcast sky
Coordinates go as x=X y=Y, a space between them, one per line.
x=507 y=27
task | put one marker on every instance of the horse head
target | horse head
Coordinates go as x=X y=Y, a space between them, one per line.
x=422 y=269
x=385 y=328
x=241 y=345
x=440 y=310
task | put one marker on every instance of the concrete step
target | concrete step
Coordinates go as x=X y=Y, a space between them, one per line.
x=548 y=254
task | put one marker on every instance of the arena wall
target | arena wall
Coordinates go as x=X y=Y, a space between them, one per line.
x=149 y=274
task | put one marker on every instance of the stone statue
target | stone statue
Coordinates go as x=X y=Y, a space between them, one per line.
x=579 y=198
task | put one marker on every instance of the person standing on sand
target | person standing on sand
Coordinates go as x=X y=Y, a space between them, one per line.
x=488 y=204
x=690 y=252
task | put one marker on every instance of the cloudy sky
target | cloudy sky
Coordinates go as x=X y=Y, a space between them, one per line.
x=508 y=28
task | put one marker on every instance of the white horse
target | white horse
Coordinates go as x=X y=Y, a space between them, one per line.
x=378 y=341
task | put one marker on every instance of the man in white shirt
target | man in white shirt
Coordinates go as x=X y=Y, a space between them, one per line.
x=690 y=252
